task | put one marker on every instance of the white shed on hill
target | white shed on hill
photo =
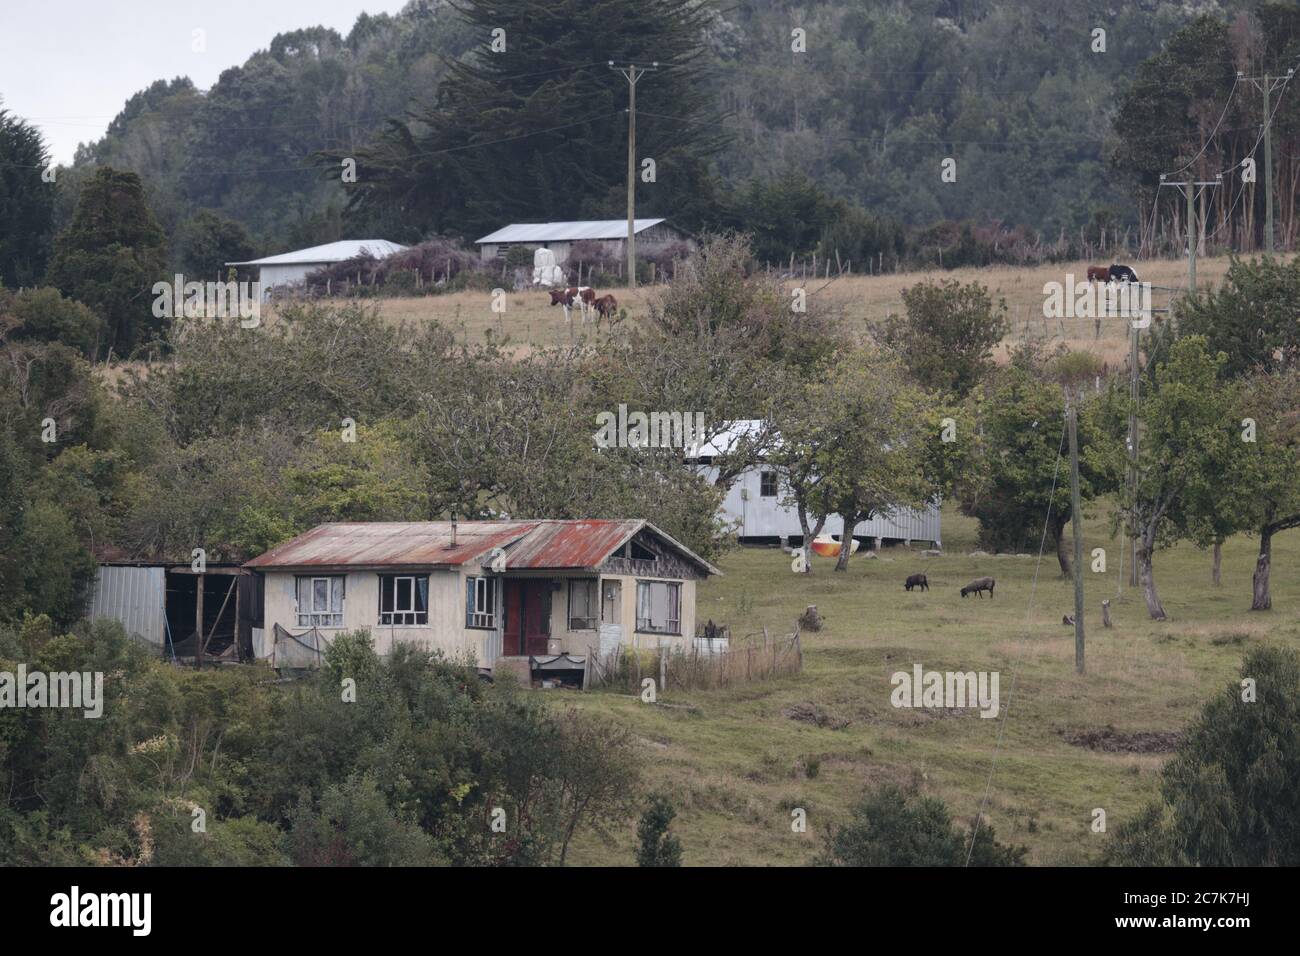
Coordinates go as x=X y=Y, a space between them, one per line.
x=754 y=502
x=290 y=268
x=559 y=237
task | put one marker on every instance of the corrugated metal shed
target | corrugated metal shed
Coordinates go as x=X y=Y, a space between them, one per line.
x=134 y=596
x=529 y=545
x=567 y=231
x=339 y=251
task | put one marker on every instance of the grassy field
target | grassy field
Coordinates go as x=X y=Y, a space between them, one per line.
x=529 y=320
x=735 y=764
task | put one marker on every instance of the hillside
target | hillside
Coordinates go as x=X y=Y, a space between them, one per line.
x=1008 y=87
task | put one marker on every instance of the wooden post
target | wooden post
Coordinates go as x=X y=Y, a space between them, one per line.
x=198 y=622
x=239 y=650
x=1076 y=519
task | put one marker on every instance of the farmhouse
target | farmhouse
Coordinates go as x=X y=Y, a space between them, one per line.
x=755 y=501
x=290 y=268
x=494 y=589
x=559 y=237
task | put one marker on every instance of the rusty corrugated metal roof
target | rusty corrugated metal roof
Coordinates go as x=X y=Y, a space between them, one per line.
x=530 y=545
x=570 y=544
x=385 y=543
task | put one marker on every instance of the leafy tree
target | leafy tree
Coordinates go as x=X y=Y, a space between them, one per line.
x=1022 y=475
x=1186 y=436
x=1227 y=797
x=658 y=847
x=1250 y=316
x=896 y=827
x=206 y=242
x=947 y=338
x=111 y=255
x=1261 y=492
x=26 y=202
x=43 y=315
x=857 y=443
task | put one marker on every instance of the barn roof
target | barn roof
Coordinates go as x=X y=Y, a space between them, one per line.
x=567 y=231
x=529 y=545
x=339 y=251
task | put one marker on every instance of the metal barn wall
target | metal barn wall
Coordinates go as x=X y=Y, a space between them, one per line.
x=765 y=517
x=134 y=597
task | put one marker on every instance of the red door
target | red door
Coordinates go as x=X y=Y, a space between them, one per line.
x=526 y=625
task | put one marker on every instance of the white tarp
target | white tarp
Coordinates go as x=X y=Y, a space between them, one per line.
x=545 y=272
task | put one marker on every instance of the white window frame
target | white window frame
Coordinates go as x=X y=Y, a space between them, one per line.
x=404 y=616
x=483 y=615
x=314 y=616
x=645 y=625
x=590 y=622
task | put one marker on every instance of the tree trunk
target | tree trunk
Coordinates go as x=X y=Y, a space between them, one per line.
x=1147 y=578
x=846 y=544
x=1263 y=601
x=1062 y=547
x=1218 y=562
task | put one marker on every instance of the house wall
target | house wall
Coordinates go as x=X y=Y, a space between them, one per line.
x=761 y=517
x=446 y=629
x=583 y=641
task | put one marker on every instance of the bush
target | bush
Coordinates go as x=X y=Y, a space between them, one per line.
x=658 y=846
x=1228 y=796
x=894 y=827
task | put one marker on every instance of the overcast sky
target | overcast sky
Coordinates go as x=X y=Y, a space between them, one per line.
x=70 y=65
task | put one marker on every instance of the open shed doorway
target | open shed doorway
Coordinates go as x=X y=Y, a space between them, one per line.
x=229 y=600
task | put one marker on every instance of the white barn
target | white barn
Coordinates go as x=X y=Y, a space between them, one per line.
x=559 y=237
x=291 y=268
x=754 y=503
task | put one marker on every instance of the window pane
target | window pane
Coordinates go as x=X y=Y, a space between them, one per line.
x=403 y=602
x=336 y=595
x=320 y=594
x=385 y=594
x=422 y=595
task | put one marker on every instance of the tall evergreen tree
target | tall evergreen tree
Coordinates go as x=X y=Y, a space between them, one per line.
x=111 y=255
x=26 y=203
x=533 y=125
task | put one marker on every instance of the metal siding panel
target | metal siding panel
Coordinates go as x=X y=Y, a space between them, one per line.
x=133 y=597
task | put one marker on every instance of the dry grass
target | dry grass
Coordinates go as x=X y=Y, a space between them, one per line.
x=529 y=319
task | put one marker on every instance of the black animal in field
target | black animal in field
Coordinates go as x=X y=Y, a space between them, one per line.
x=977 y=586
x=1119 y=273
x=917 y=581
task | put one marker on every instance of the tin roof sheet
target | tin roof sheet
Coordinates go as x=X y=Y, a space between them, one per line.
x=566 y=231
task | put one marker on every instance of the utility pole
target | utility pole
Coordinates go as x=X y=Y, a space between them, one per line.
x=1076 y=520
x=1192 y=190
x=1267 y=84
x=1133 y=388
x=632 y=73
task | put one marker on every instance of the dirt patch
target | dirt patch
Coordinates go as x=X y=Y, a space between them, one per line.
x=809 y=713
x=1109 y=740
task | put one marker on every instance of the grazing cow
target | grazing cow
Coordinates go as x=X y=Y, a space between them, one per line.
x=1120 y=273
x=563 y=297
x=917 y=581
x=978 y=586
x=586 y=298
x=1098 y=274
x=605 y=305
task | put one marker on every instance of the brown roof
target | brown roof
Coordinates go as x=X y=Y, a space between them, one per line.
x=533 y=545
